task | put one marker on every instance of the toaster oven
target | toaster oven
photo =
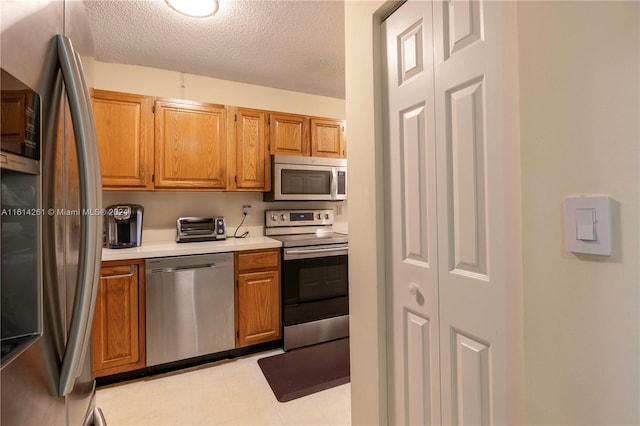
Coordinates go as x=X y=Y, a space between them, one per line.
x=193 y=229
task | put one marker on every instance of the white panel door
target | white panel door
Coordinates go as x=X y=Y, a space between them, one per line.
x=450 y=95
x=412 y=260
x=475 y=93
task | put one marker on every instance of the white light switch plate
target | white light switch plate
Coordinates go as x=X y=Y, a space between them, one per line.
x=588 y=225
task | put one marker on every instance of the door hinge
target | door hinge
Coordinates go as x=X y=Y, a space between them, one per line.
x=153 y=178
x=235 y=117
x=268 y=148
x=235 y=179
x=238 y=334
x=153 y=109
x=269 y=120
x=237 y=284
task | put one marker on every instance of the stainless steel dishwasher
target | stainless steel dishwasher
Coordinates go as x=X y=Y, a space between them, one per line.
x=190 y=306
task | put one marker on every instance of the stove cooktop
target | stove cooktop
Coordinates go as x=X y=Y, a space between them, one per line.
x=300 y=228
x=319 y=238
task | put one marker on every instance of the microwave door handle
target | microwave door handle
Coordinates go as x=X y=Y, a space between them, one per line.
x=89 y=182
x=334 y=184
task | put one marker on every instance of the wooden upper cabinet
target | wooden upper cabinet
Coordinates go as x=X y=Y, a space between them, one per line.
x=299 y=135
x=250 y=164
x=327 y=138
x=149 y=143
x=191 y=148
x=289 y=134
x=124 y=126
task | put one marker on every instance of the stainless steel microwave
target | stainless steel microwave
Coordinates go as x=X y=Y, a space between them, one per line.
x=298 y=178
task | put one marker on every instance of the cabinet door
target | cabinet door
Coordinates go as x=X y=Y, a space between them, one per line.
x=289 y=134
x=118 y=327
x=12 y=120
x=191 y=151
x=252 y=165
x=327 y=138
x=258 y=307
x=257 y=260
x=124 y=126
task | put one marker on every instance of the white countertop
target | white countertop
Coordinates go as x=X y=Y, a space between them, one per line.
x=171 y=248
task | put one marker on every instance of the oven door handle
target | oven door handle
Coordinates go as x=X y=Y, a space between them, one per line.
x=293 y=254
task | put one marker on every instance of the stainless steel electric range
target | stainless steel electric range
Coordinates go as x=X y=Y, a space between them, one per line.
x=315 y=276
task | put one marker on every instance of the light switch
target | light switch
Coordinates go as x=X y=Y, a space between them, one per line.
x=586 y=224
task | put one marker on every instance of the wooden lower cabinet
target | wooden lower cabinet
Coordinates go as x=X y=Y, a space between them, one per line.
x=119 y=321
x=258 y=311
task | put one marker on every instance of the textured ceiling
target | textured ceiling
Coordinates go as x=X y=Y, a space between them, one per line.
x=292 y=45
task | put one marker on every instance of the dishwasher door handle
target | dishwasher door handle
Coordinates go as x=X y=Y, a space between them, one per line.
x=183 y=268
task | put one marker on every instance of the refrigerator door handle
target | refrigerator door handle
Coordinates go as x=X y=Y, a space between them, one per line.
x=97 y=225
x=96 y=418
x=90 y=225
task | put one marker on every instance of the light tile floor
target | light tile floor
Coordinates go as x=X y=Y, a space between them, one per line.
x=230 y=392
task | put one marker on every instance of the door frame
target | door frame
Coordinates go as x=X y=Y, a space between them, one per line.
x=367 y=239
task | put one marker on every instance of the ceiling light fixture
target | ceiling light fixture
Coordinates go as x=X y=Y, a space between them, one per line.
x=196 y=8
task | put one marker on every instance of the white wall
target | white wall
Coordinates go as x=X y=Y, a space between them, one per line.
x=366 y=223
x=579 y=92
x=172 y=84
x=163 y=208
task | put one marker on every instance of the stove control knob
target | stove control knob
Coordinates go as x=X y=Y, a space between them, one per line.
x=274 y=217
x=318 y=216
x=283 y=216
x=326 y=216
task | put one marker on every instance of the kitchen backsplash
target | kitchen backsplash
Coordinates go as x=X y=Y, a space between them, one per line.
x=161 y=209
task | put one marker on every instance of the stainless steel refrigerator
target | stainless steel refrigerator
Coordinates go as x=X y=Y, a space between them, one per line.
x=51 y=227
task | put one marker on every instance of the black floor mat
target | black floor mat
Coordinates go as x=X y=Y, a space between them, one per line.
x=304 y=371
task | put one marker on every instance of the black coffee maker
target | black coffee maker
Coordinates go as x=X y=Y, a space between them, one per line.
x=123 y=225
